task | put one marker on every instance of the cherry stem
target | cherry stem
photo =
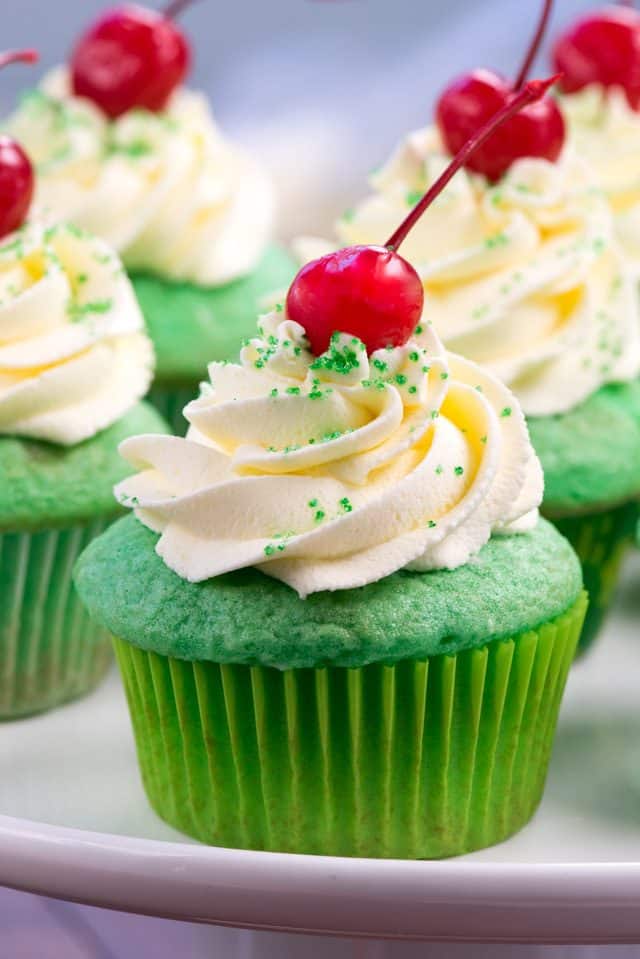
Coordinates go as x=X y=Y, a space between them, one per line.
x=531 y=91
x=175 y=8
x=534 y=46
x=18 y=56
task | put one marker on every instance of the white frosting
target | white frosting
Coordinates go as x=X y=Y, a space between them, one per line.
x=525 y=276
x=73 y=353
x=334 y=473
x=166 y=190
x=605 y=131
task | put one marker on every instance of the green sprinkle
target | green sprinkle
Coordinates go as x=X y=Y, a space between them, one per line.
x=274 y=391
x=312 y=503
x=81 y=278
x=444 y=376
x=400 y=379
x=135 y=149
x=507 y=411
x=78 y=311
x=349 y=215
x=439 y=470
x=320 y=515
x=414 y=356
x=381 y=365
x=269 y=550
x=346 y=505
x=419 y=330
x=483 y=439
x=458 y=470
x=412 y=390
x=293 y=390
x=431 y=524
x=279 y=307
x=259 y=364
x=413 y=197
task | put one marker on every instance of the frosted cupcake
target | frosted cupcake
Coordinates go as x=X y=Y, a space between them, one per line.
x=345 y=630
x=525 y=275
x=190 y=213
x=74 y=362
x=599 y=56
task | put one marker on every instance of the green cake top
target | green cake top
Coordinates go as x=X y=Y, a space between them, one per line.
x=514 y=584
x=191 y=325
x=44 y=485
x=591 y=455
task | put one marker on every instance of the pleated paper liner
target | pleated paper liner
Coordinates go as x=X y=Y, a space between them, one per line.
x=601 y=540
x=50 y=650
x=415 y=760
x=170 y=402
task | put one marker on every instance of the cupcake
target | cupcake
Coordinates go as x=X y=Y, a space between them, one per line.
x=345 y=628
x=599 y=57
x=74 y=363
x=190 y=214
x=523 y=272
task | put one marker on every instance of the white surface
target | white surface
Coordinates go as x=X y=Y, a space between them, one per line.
x=76 y=825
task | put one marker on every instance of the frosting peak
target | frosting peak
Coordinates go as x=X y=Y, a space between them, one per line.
x=164 y=189
x=332 y=472
x=74 y=356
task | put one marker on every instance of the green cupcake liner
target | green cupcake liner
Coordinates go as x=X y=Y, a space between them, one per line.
x=170 y=402
x=601 y=541
x=50 y=650
x=415 y=760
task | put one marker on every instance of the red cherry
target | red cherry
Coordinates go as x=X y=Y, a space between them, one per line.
x=371 y=291
x=132 y=57
x=16 y=172
x=537 y=131
x=16 y=185
x=602 y=48
x=367 y=291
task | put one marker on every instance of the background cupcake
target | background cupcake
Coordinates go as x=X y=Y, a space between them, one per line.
x=523 y=272
x=190 y=214
x=599 y=56
x=74 y=361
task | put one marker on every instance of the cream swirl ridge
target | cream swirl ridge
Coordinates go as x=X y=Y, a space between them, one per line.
x=333 y=472
x=166 y=190
x=74 y=356
x=605 y=130
x=525 y=276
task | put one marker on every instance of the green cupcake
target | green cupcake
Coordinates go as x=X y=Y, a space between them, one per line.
x=190 y=214
x=526 y=276
x=74 y=362
x=343 y=628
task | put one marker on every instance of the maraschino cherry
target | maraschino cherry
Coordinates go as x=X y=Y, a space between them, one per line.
x=602 y=48
x=371 y=291
x=469 y=101
x=16 y=171
x=132 y=57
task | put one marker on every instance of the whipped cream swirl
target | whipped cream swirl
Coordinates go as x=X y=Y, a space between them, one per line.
x=605 y=131
x=333 y=472
x=74 y=356
x=525 y=276
x=166 y=190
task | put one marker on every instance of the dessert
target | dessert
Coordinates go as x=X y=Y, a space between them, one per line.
x=523 y=272
x=123 y=150
x=74 y=362
x=600 y=59
x=345 y=629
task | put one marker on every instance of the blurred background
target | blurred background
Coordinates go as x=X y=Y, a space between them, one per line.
x=322 y=90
